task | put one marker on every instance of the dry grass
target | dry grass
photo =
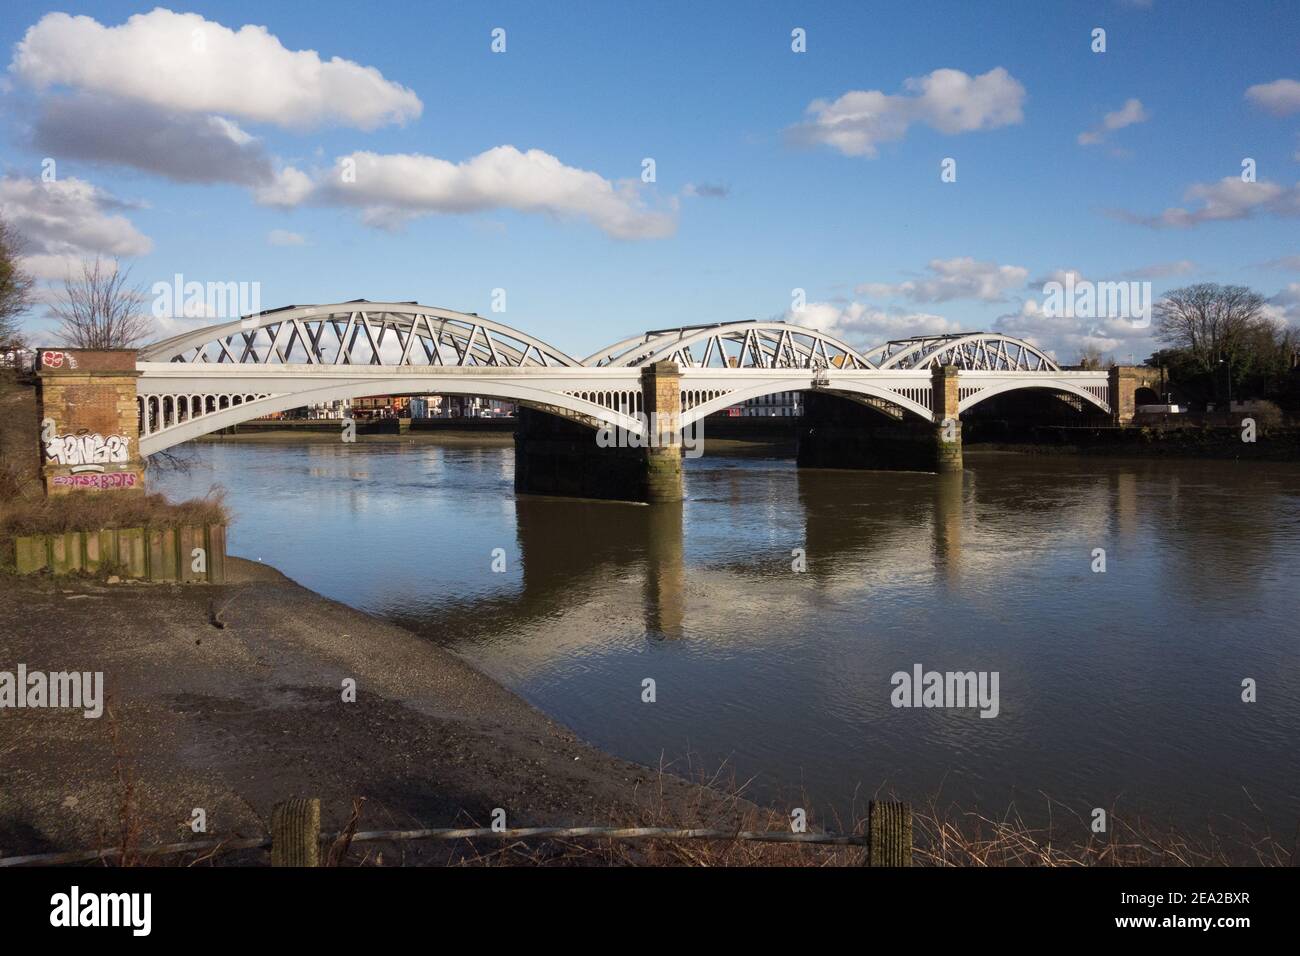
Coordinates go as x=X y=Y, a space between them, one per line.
x=717 y=803
x=93 y=512
x=955 y=837
x=944 y=837
x=20 y=456
x=129 y=825
x=949 y=837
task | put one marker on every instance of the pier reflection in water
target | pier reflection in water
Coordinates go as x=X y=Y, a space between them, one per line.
x=1117 y=686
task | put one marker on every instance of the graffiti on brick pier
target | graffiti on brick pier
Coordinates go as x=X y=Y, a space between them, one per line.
x=84 y=452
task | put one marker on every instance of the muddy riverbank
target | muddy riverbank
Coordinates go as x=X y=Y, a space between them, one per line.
x=232 y=719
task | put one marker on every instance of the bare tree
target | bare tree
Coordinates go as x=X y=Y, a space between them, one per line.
x=100 y=310
x=1211 y=321
x=1091 y=357
x=16 y=285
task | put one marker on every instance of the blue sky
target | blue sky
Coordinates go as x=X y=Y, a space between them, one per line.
x=774 y=170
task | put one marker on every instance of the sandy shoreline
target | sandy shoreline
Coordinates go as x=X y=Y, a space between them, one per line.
x=233 y=720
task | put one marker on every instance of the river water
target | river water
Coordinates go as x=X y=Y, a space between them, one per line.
x=1120 y=688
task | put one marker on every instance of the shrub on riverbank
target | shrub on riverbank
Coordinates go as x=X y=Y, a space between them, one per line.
x=95 y=512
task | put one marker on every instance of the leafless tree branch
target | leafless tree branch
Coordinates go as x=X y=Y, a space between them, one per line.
x=100 y=310
x=15 y=284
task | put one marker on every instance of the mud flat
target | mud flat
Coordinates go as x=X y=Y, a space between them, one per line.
x=233 y=719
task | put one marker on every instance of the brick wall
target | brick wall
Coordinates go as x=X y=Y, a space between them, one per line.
x=90 y=433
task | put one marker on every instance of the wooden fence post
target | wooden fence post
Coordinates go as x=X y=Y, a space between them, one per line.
x=295 y=833
x=889 y=832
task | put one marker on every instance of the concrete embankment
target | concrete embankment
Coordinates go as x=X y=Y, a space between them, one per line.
x=1222 y=443
x=232 y=719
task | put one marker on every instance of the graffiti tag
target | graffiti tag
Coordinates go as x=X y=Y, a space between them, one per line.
x=87 y=452
x=57 y=359
x=118 y=479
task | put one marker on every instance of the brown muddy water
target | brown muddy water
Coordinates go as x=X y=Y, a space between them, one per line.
x=1119 y=689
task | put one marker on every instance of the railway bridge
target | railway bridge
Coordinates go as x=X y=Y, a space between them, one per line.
x=896 y=405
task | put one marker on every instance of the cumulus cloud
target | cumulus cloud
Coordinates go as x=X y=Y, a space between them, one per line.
x=184 y=63
x=1281 y=97
x=183 y=147
x=1130 y=113
x=1067 y=334
x=961 y=278
x=1228 y=199
x=947 y=100
x=66 y=222
x=1068 y=338
x=390 y=189
x=1058 y=275
x=1285 y=306
x=865 y=326
x=289 y=187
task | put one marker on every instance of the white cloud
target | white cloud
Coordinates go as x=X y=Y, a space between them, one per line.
x=865 y=326
x=184 y=147
x=282 y=237
x=289 y=188
x=66 y=222
x=1058 y=275
x=1285 y=306
x=961 y=278
x=1228 y=199
x=1130 y=113
x=947 y=100
x=182 y=62
x=1281 y=97
x=391 y=189
x=1068 y=338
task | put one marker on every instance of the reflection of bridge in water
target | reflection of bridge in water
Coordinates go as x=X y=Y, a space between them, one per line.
x=944 y=532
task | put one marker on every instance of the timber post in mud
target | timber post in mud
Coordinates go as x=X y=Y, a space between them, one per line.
x=89 y=420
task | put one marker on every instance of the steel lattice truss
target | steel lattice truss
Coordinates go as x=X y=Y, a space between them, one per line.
x=409 y=334
x=974 y=351
x=361 y=333
x=732 y=345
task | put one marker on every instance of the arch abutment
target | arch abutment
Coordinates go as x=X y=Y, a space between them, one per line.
x=562 y=457
x=837 y=432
